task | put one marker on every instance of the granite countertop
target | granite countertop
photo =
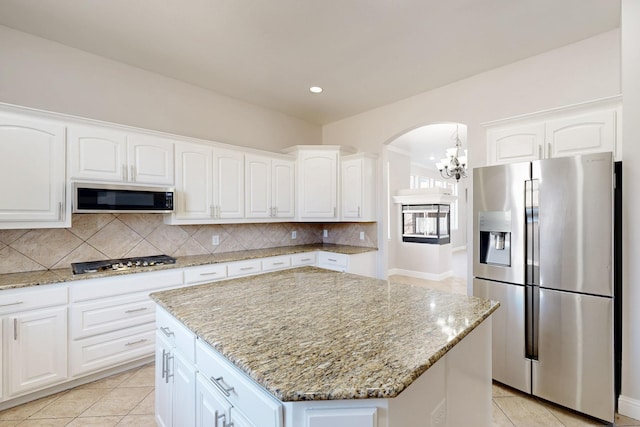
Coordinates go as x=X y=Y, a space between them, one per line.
x=314 y=334
x=46 y=277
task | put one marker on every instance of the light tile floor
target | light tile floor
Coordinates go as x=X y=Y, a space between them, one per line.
x=127 y=399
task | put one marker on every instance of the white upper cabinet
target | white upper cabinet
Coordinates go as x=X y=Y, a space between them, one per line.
x=269 y=187
x=359 y=187
x=32 y=173
x=194 y=181
x=593 y=132
x=228 y=183
x=318 y=180
x=590 y=128
x=209 y=183
x=515 y=144
x=104 y=154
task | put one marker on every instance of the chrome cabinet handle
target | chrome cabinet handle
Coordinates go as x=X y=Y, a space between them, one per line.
x=278 y=263
x=359 y=215
x=133 y=173
x=165 y=330
x=305 y=259
x=168 y=375
x=332 y=260
x=140 y=341
x=136 y=310
x=224 y=389
x=15 y=329
x=11 y=303
x=164 y=362
x=59 y=210
x=247 y=268
x=217 y=417
x=213 y=273
x=334 y=211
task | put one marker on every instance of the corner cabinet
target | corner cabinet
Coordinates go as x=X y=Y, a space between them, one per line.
x=270 y=187
x=32 y=173
x=584 y=129
x=104 y=154
x=317 y=181
x=359 y=187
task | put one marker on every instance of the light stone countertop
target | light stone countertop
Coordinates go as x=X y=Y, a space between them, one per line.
x=314 y=334
x=47 y=277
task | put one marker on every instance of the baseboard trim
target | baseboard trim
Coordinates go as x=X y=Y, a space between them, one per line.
x=629 y=407
x=420 y=274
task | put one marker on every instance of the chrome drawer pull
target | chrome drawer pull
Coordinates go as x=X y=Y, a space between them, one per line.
x=305 y=259
x=218 y=383
x=140 y=341
x=165 y=330
x=12 y=303
x=135 y=310
x=164 y=362
x=278 y=263
x=213 y=273
x=247 y=268
x=333 y=260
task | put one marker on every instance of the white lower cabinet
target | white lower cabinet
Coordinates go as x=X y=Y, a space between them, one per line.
x=34 y=327
x=175 y=392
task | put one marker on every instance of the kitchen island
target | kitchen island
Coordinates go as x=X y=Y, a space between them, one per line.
x=311 y=347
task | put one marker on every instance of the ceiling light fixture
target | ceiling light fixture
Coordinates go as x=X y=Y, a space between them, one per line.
x=315 y=89
x=455 y=165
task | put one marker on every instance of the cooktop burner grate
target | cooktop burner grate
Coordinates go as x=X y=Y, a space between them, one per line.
x=121 y=264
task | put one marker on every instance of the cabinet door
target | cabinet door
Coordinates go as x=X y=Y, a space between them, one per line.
x=258 y=180
x=211 y=408
x=32 y=172
x=150 y=160
x=352 y=189
x=98 y=154
x=193 y=181
x=163 y=388
x=228 y=183
x=184 y=391
x=318 y=184
x=37 y=349
x=593 y=132
x=515 y=144
x=283 y=188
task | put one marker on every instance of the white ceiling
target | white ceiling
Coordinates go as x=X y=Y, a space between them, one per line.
x=364 y=53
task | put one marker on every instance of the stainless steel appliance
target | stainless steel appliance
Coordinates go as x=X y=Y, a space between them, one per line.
x=120 y=264
x=102 y=198
x=543 y=247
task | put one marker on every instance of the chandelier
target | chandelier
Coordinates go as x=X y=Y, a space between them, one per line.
x=455 y=165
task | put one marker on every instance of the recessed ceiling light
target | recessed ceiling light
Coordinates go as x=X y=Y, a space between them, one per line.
x=315 y=89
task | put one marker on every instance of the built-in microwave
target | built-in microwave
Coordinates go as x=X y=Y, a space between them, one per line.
x=114 y=198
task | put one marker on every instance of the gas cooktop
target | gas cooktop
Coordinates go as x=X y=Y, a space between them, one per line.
x=121 y=264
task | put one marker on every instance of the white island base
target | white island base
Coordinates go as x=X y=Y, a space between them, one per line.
x=454 y=392
x=195 y=385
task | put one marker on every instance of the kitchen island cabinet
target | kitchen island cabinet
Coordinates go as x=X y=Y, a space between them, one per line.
x=311 y=347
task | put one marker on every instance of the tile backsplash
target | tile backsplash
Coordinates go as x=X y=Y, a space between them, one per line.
x=104 y=236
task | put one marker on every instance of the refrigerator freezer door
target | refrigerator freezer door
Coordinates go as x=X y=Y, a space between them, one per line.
x=575 y=353
x=576 y=223
x=498 y=193
x=509 y=364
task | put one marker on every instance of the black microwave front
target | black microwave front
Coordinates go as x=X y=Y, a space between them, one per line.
x=114 y=198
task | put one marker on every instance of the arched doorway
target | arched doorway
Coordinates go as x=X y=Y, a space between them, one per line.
x=411 y=164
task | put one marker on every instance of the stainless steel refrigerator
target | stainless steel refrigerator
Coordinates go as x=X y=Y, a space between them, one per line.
x=543 y=247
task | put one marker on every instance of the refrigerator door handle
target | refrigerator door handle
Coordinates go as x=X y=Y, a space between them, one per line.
x=532 y=279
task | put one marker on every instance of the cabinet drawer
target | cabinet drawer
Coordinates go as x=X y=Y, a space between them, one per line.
x=276 y=263
x=176 y=334
x=305 y=258
x=248 y=397
x=243 y=268
x=333 y=261
x=205 y=273
x=120 y=285
x=31 y=298
x=110 y=314
x=111 y=349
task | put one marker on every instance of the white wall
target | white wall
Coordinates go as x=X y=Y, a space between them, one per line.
x=42 y=74
x=576 y=73
x=629 y=403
